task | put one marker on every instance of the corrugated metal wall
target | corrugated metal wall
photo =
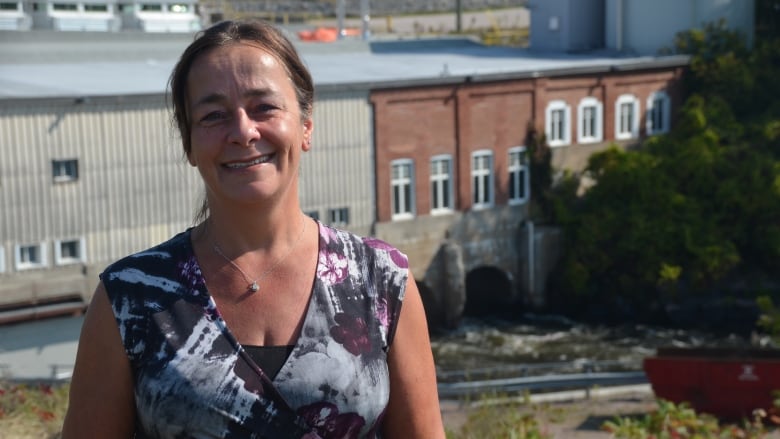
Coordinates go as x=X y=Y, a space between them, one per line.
x=338 y=171
x=134 y=188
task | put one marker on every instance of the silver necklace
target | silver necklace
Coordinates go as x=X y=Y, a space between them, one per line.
x=252 y=284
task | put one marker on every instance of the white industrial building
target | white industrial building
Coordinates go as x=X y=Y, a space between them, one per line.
x=100 y=15
x=632 y=27
x=92 y=170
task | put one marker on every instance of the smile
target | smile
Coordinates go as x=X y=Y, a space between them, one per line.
x=240 y=165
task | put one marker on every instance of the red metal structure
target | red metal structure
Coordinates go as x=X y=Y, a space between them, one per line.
x=726 y=382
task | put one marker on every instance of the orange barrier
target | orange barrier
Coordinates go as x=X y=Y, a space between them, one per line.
x=326 y=34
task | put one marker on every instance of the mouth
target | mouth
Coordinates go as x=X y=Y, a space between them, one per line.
x=265 y=158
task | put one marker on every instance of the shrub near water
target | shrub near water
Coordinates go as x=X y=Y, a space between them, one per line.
x=32 y=410
x=673 y=421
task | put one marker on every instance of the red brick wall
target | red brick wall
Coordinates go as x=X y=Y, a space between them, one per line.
x=418 y=123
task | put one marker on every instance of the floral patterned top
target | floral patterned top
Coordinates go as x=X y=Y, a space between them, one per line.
x=194 y=380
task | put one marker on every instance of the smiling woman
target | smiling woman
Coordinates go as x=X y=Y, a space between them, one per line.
x=259 y=321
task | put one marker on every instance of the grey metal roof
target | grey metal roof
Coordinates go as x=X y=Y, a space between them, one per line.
x=50 y=64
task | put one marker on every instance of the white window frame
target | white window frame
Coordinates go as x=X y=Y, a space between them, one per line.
x=57 y=8
x=59 y=259
x=666 y=106
x=438 y=191
x=70 y=165
x=2 y=259
x=17 y=6
x=400 y=183
x=633 y=132
x=565 y=136
x=598 y=120
x=87 y=8
x=176 y=8
x=520 y=169
x=338 y=216
x=27 y=265
x=482 y=181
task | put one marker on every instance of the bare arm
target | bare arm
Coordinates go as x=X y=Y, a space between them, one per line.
x=101 y=391
x=413 y=411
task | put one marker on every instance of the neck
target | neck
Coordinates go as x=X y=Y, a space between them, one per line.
x=242 y=230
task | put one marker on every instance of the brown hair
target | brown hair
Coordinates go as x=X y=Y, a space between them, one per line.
x=258 y=32
x=262 y=33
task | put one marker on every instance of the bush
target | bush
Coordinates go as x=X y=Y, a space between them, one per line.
x=672 y=420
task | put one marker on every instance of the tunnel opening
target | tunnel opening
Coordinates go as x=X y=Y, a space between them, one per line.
x=488 y=292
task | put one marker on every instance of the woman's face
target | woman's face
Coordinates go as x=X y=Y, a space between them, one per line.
x=247 y=130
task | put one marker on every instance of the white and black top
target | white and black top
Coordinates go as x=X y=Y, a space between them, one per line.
x=194 y=380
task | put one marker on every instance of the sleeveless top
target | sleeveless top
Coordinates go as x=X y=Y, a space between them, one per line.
x=194 y=380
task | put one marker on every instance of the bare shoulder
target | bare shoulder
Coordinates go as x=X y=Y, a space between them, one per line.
x=101 y=394
x=413 y=410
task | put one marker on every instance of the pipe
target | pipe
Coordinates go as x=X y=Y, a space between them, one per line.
x=458 y=16
x=619 y=26
x=531 y=257
x=340 y=18
x=365 y=17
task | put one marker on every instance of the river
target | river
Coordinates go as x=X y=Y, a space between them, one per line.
x=47 y=348
x=502 y=347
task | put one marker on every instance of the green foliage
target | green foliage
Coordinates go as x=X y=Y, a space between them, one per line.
x=688 y=208
x=769 y=320
x=767 y=19
x=540 y=166
x=32 y=411
x=672 y=420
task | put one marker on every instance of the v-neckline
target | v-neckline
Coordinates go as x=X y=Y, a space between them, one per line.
x=242 y=354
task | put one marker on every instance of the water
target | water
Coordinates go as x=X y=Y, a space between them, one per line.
x=39 y=349
x=502 y=345
x=47 y=348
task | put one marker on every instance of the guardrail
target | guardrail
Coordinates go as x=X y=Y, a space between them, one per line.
x=542 y=382
x=538 y=377
x=526 y=369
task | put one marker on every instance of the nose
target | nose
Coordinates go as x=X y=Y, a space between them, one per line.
x=244 y=131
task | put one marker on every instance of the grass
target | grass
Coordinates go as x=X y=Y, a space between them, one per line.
x=497 y=416
x=32 y=411
x=36 y=411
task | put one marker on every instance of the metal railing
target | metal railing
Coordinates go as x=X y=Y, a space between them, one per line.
x=536 y=377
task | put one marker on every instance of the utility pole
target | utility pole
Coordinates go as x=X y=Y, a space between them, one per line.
x=365 y=18
x=458 y=16
x=340 y=18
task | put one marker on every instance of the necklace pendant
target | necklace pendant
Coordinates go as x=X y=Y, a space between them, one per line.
x=253 y=287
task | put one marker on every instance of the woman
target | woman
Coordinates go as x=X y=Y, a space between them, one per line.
x=259 y=321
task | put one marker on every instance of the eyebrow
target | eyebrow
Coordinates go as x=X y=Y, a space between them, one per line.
x=218 y=97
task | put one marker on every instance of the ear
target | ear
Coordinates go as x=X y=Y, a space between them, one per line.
x=308 y=128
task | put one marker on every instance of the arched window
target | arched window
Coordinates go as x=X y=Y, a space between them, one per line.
x=658 y=113
x=518 y=175
x=402 y=187
x=441 y=184
x=557 y=123
x=482 y=179
x=626 y=117
x=590 y=120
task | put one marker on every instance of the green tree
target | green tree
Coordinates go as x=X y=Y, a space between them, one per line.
x=692 y=207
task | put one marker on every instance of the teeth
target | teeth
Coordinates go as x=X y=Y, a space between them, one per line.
x=262 y=159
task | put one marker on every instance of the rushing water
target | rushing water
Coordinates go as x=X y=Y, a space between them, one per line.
x=502 y=345
x=47 y=348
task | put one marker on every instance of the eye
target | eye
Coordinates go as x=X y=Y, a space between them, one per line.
x=264 y=108
x=213 y=117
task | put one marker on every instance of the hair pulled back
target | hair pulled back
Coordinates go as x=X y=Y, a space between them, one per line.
x=257 y=32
